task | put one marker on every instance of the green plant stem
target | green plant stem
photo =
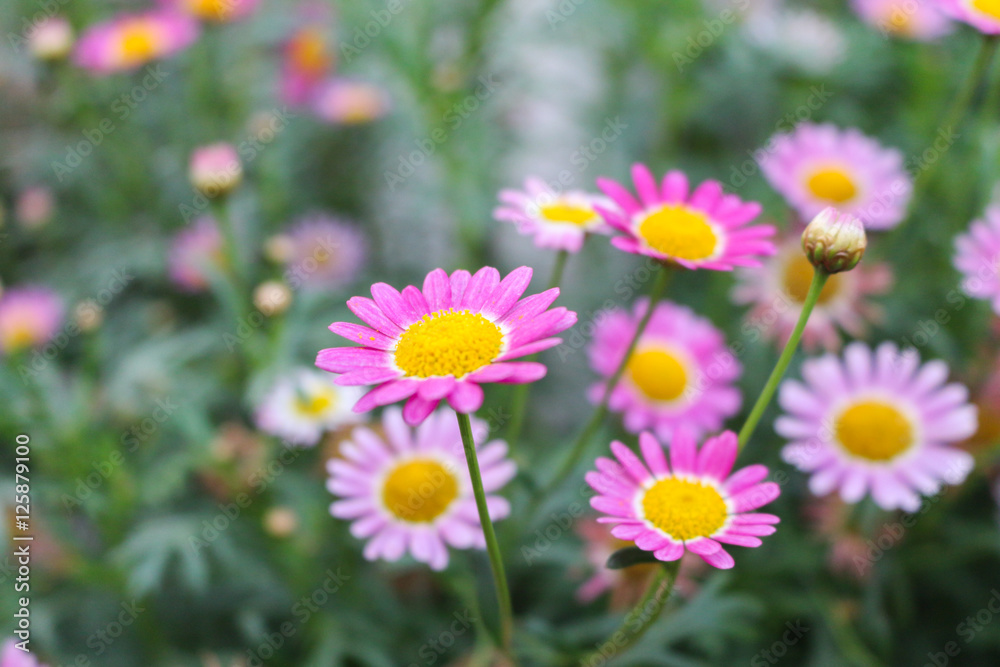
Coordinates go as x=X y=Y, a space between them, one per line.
x=492 y=546
x=655 y=294
x=642 y=616
x=819 y=279
x=519 y=400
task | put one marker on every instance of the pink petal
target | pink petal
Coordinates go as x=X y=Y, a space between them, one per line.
x=436 y=388
x=417 y=409
x=437 y=290
x=717 y=456
x=645 y=185
x=368 y=312
x=390 y=392
x=344 y=359
x=393 y=305
x=466 y=397
x=683 y=453
x=480 y=287
x=720 y=559
x=362 y=335
x=671 y=552
x=652 y=451
x=755 y=496
x=630 y=462
x=703 y=546
x=507 y=293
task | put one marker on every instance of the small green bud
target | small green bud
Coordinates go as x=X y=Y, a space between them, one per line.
x=834 y=241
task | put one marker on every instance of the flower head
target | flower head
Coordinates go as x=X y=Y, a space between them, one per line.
x=307 y=61
x=29 y=317
x=444 y=341
x=876 y=421
x=977 y=256
x=215 y=170
x=833 y=241
x=52 y=39
x=703 y=229
x=348 y=102
x=681 y=375
x=214 y=11
x=195 y=253
x=778 y=291
x=816 y=166
x=132 y=40
x=983 y=15
x=557 y=220
x=12 y=656
x=410 y=489
x=912 y=19
x=303 y=405
x=324 y=252
x=693 y=504
x=35 y=207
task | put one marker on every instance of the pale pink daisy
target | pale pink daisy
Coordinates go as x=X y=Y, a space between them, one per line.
x=681 y=374
x=983 y=15
x=12 y=656
x=816 y=166
x=777 y=292
x=195 y=253
x=304 y=404
x=921 y=20
x=693 y=504
x=307 y=60
x=557 y=220
x=444 y=341
x=410 y=490
x=29 y=317
x=349 y=102
x=877 y=422
x=977 y=256
x=132 y=40
x=324 y=252
x=702 y=229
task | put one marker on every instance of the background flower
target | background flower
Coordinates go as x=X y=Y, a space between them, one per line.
x=560 y=221
x=303 y=404
x=977 y=256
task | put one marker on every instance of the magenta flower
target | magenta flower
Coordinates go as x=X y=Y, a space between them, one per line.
x=983 y=15
x=132 y=40
x=703 y=229
x=12 y=656
x=195 y=253
x=324 y=252
x=306 y=61
x=349 y=102
x=691 y=504
x=444 y=341
x=214 y=11
x=410 y=490
x=29 y=317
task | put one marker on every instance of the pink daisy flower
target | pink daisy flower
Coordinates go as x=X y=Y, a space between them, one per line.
x=921 y=20
x=816 y=166
x=446 y=340
x=348 y=102
x=194 y=253
x=132 y=40
x=876 y=421
x=214 y=11
x=693 y=504
x=29 y=317
x=12 y=656
x=306 y=62
x=305 y=404
x=560 y=221
x=681 y=375
x=983 y=15
x=977 y=256
x=777 y=292
x=324 y=252
x=410 y=491
x=703 y=229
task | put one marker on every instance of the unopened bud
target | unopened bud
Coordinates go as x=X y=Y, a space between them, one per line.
x=834 y=241
x=88 y=315
x=215 y=170
x=281 y=521
x=52 y=39
x=279 y=248
x=272 y=297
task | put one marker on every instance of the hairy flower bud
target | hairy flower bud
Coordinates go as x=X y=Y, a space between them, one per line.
x=215 y=170
x=834 y=241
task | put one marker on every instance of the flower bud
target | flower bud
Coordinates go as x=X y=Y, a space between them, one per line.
x=279 y=248
x=281 y=521
x=272 y=297
x=88 y=315
x=834 y=241
x=215 y=170
x=52 y=39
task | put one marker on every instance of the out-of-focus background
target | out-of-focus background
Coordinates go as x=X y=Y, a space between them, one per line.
x=140 y=407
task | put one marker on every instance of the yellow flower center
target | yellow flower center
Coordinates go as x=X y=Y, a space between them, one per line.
x=874 y=430
x=448 y=343
x=798 y=276
x=658 y=374
x=898 y=20
x=212 y=10
x=308 y=52
x=315 y=405
x=681 y=232
x=18 y=337
x=988 y=7
x=419 y=490
x=684 y=509
x=833 y=185
x=569 y=214
x=139 y=42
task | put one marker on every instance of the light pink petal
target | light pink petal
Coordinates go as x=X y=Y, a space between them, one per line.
x=480 y=287
x=507 y=293
x=739 y=540
x=344 y=359
x=466 y=397
x=703 y=546
x=756 y=496
x=652 y=451
x=720 y=559
x=671 y=552
x=744 y=478
x=683 y=453
x=436 y=388
x=370 y=313
x=645 y=185
x=717 y=456
x=630 y=462
x=437 y=290
x=393 y=305
x=362 y=335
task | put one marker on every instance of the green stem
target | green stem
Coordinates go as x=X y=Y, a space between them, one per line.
x=655 y=294
x=492 y=546
x=818 y=281
x=639 y=620
x=519 y=400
